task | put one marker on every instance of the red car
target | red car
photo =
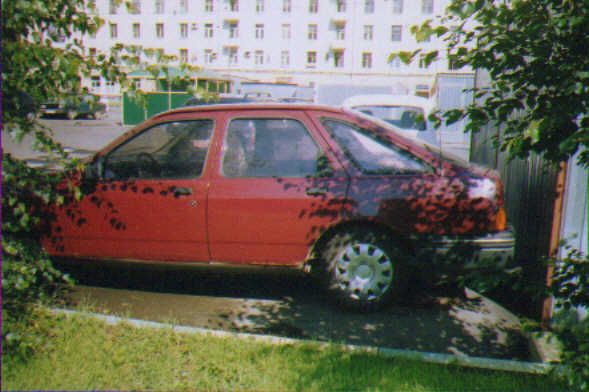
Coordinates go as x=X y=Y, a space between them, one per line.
x=302 y=186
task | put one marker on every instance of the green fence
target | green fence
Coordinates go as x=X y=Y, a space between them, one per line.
x=157 y=102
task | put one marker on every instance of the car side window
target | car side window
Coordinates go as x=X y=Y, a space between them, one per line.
x=370 y=154
x=269 y=148
x=165 y=151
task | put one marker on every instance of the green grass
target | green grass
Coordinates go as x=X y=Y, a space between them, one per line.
x=80 y=353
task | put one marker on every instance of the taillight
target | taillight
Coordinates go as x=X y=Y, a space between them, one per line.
x=500 y=220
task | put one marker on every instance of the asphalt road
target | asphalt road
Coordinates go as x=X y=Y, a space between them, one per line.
x=82 y=136
x=274 y=302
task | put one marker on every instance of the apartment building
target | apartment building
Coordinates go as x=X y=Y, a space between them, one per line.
x=306 y=42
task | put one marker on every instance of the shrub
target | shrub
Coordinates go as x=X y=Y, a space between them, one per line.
x=28 y=279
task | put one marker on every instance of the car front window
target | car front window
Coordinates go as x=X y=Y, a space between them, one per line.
x=168 y=150
x=372 y=154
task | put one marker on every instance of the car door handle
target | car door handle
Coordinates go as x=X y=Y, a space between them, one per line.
x=315 y=191
x=182 y=192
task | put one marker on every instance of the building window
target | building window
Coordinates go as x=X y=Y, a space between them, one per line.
x=366 y=60
x=395 y=63
x=95 y=82
x=233 y=30
x=285 y=58
x=113 y=7
x=159 y=30
x=286 y=6
x=313 y=6
x=134 y=7
x=183 y=55
x=397 y=6
x=136 y=30
x=338 y=58
x=260 y=31
x=341 y=5
x=368 y=32
x=114 y=31
x=160 y=6
x=422 y=63
x=259 y=57
x=340 y=31
x=234 y=5
x=396 y=33
x=286 y=31
x=232 y=56
x=312 y=32
x=369 y=6
x=209 y=6
x=183 y=6
x=183 y=30
x=311 y=59
x=427 y=7
x=209 y=56
x=209 y=30
x=259 y=6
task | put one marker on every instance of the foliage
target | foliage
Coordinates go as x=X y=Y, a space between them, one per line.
x=28 y=278
x=570 y=288
x=43 y=40
x=536 y=54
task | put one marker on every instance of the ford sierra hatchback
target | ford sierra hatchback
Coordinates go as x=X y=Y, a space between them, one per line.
x=322 y=189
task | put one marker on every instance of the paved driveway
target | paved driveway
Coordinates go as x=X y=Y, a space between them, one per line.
x=287 y=304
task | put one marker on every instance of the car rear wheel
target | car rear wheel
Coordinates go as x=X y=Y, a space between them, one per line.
x=362 y=269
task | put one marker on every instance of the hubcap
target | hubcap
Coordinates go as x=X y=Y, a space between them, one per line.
x=364 y=271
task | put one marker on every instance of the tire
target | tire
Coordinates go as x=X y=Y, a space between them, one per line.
x=362 y=269
x=71 y=115
x=97 y=115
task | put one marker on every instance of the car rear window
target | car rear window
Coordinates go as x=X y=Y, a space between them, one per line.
x=371 y=154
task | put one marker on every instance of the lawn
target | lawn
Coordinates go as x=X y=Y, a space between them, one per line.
x=81 y=353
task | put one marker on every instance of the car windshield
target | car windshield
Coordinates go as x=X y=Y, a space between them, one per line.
x=404 y=117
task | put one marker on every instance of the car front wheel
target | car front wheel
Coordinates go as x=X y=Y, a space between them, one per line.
x=362 y=269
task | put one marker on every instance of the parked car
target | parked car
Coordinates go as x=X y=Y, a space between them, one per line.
x=73 y=106
x=20 y=104
x=314 y=187
x=406 y=112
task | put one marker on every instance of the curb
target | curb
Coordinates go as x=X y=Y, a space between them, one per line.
x=436 y=358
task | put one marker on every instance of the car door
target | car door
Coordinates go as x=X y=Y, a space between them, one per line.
x=276 y=187
x=149 y=202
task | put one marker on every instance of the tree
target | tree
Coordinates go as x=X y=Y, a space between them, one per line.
x=537 y=55
x=44 y=59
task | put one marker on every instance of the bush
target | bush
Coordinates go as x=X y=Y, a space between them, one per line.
x=570 y=289
x=28 y=279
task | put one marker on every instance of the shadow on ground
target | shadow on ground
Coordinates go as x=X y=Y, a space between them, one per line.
x=288 y=304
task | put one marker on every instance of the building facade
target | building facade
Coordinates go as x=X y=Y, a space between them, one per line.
x=306 y=42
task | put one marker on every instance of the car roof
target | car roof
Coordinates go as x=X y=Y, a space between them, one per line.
x=236 y=107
